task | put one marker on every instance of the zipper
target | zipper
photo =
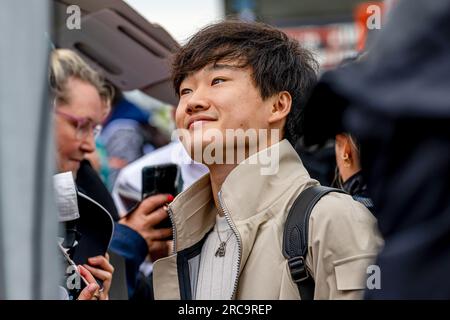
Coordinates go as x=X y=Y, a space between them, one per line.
x=239 y=241
x=174 y=230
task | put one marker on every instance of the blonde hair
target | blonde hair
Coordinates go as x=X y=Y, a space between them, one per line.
x=66 y=64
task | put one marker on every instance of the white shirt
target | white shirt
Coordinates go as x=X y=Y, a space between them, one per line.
x=216 y=274
x=66 y=196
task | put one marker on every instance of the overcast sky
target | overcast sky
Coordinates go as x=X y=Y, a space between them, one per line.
x=181 y=18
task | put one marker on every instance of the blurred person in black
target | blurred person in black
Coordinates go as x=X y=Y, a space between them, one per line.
x=396 y=103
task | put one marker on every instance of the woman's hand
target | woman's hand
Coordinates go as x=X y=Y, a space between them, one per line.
x=90 y=292
x=101 y=269
x=145 y=217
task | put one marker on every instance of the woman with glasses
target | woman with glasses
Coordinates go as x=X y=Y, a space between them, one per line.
x=81 y=102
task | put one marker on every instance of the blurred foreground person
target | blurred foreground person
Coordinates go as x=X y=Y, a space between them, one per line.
x=396 y=103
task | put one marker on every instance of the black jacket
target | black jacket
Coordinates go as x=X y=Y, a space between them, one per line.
x=397 y=104
x=128 y=246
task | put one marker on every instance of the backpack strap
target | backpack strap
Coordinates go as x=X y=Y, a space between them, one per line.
x=295 y=237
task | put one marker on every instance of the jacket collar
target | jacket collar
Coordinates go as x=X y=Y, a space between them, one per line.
x=248 y=190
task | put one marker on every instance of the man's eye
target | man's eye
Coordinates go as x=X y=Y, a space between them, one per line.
x=185 y=91
x=217 y=81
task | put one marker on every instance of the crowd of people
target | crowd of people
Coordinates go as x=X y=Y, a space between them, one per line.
x=248 y=97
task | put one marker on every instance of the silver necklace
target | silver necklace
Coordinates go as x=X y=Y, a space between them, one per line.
x=220 y=252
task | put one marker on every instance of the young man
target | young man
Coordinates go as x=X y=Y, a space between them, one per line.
x=235 y=77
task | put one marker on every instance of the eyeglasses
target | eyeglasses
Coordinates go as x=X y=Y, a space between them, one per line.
x=84 y=126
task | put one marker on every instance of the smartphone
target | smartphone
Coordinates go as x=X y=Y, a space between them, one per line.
x=159 y=179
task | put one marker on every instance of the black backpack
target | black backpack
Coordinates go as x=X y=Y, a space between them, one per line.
x=295 y=237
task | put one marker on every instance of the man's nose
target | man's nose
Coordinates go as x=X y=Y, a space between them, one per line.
x=198 y=101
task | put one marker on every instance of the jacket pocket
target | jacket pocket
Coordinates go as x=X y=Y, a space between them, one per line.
x=351 y=273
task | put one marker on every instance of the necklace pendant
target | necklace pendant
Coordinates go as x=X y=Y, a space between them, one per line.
x=220 y=252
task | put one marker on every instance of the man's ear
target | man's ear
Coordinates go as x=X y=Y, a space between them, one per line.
x=281 y=107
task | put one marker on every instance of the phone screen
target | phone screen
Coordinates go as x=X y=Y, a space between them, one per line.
x=160 y=179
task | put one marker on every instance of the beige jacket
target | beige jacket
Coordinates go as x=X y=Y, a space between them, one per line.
x=343 y=235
